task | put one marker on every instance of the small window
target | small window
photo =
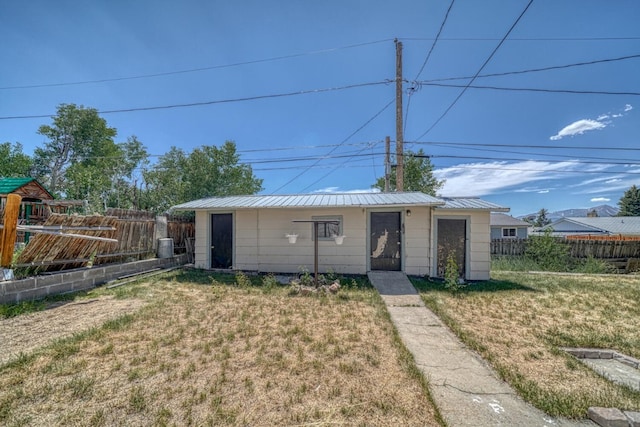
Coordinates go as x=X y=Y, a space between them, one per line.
x=328 y=230
x=509 y=232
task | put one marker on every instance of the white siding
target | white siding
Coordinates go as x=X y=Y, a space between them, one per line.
x=260 y=243
x=417 y=235
x=478 y=259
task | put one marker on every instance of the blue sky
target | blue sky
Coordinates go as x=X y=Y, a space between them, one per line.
x=522 y=149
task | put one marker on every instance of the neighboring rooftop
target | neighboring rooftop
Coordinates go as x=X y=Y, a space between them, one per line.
x=503 y=220
x=626 y=225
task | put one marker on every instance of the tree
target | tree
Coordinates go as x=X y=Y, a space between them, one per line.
x=207 y=171
x=81 y=160
x=78 y=135
x=542 y=219
x=13 y=162
x=418 y=175
x=630 y=202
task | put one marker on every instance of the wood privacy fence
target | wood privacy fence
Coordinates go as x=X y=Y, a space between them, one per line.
x=135 y=232
x=578 y=248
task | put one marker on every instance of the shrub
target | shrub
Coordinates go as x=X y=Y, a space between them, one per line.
x=548 y=252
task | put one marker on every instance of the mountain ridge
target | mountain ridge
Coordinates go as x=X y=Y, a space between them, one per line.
x=601 y=210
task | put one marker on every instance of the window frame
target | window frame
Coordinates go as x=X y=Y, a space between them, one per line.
x=515 y=232
x=323 y=229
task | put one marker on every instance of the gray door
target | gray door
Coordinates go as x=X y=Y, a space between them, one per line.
x=221 y=240
x=386 y=243
x=452 y=237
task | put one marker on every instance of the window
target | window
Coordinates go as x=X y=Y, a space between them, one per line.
x=509 y=232
x=328 y=230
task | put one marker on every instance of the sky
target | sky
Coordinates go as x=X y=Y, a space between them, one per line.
x=527 y=104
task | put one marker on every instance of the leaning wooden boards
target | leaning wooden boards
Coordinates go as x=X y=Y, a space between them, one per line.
x=8 y=241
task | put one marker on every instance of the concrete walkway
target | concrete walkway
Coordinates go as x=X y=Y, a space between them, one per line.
x=466 y=390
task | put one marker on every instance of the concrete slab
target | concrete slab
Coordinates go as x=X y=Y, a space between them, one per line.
x=465 y=388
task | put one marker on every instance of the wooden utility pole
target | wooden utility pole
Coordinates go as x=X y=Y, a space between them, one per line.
x=399 y=147
x=387 y=164
x=8 y=241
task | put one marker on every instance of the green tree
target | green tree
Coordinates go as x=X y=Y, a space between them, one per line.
x=207 y=171
x=630 y=202
x=542 y=219
x=81 y=160
x=77 y=135
x=13 y=162
x=418 y=175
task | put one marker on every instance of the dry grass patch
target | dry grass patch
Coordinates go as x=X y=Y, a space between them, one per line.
x=223 y=355
x=518 y=321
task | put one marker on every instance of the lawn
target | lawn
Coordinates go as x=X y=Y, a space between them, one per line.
x=201 y=350
x=518 y=322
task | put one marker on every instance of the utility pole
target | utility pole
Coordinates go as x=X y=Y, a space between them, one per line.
x=399 y=147
x=387 y=163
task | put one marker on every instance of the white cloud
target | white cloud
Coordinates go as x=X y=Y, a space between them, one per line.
x=578 y=128
x=611 y=181
x=478 y=179
x=543 y=191
x=600 y=199
x=585 y=125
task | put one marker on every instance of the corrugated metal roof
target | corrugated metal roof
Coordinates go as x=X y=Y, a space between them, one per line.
x=502 y=220
x=471 y=203
x=327 y=200
x=626 y=225
x=9 y=185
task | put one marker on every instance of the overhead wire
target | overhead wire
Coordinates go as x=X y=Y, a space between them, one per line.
x=219 y=101
x=479 y=70
x=529 y=89
x=340 y=144
x=195 y=70
x=535 y=70
x=424 y=63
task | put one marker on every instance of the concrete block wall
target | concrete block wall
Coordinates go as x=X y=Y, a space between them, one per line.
x=38 y=287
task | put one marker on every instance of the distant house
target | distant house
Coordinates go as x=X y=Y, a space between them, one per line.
x=33 y=195
x=595 y=226
x=507 y=227
x=37 y=203
x=409 y=232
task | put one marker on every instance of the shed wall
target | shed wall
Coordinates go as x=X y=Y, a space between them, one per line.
x=478 y=263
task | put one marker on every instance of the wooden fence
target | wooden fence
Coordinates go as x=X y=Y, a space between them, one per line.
x=134 y=231
x=578 y=248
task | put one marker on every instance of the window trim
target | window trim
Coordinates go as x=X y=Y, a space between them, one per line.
x=322 y=230
x=515 y=232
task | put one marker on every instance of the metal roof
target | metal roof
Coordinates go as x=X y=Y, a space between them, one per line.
x=9 y=185
x=320 y=200
x=626 y=225
x=470 y=203
x=502 y=220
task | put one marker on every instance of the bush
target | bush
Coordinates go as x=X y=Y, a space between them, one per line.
x=548 y=252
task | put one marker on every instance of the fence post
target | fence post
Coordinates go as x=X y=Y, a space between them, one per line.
x=8 y=242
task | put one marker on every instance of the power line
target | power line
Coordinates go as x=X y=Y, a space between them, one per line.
x=220 y=101
x=195 y=70
x=479 y=70
x=424 y=64
x=534 y=39
x=475 y=144
x=585 y=162
x=501 y=168
x=342 y=142
x=534 y=70
x=524 y=89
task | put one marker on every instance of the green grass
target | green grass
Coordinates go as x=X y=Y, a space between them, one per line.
x=518 y=321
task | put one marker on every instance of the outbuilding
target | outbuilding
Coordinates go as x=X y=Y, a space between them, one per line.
x=350 y=233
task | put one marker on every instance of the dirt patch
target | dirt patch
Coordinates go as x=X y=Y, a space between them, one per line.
x=23 y=334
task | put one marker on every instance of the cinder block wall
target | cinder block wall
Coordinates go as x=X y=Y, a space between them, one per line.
x=38 y=287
